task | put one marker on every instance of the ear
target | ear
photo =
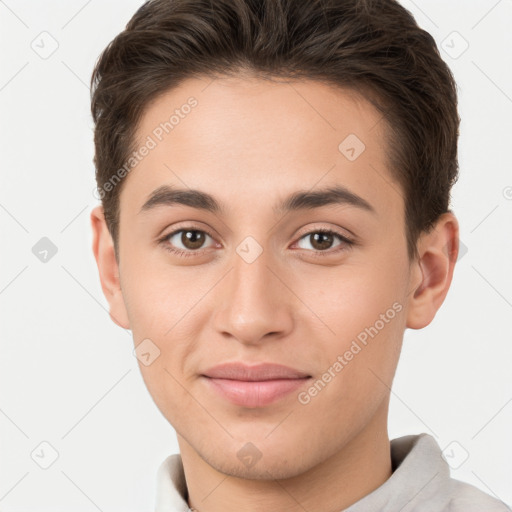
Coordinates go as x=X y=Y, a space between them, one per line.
x=103 y=249
x=432 y=272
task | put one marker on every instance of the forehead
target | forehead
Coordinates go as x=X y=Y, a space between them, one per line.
x=257 y=137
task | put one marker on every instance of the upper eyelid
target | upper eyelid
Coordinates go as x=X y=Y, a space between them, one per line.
x=186 y=227
x=325 y=229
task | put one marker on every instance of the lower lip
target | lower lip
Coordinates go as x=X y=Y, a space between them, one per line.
x=257 y=393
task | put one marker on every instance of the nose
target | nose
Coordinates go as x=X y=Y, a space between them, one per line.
x=255 y=303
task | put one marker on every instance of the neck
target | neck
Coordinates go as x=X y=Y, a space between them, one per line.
x=362 y=465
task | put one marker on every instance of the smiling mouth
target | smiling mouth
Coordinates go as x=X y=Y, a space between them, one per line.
x=255 y=393
x=256 y=385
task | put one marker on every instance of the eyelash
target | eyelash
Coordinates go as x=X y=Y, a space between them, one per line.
x=346 y=243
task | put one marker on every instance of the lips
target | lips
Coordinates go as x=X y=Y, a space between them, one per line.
x=254 y=386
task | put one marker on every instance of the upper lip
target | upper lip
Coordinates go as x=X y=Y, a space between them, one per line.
x=258 y=372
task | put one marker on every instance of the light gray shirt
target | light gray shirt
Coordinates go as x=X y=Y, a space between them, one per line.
x=420 y=482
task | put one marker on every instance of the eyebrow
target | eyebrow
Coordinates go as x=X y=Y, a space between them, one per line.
x=166 y=195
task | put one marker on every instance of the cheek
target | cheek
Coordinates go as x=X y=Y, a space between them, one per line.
x=363 y=315
x=353 y=297
x=164 y=306
x=156 y=295
x=161 y=309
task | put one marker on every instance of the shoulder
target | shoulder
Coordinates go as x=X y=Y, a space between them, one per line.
x=467 y=498
x=422 y=481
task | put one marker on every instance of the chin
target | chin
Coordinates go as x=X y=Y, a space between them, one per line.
x=269 y=467
x=255 y=459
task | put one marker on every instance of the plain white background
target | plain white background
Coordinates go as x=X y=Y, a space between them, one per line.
x=68 y=376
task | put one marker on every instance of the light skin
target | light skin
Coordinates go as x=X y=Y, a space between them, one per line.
x=250 y=143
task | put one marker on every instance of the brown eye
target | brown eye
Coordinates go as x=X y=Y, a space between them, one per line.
x=192 y=239
x=321 y=240
x=186 y=240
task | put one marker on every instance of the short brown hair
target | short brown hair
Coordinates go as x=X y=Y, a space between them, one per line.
x=370 y=46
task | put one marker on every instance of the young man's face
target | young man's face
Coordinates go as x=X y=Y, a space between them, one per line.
x=258 y=284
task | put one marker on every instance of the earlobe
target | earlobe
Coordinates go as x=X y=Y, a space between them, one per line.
x=433 y=272
x=103 y=249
